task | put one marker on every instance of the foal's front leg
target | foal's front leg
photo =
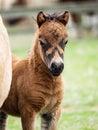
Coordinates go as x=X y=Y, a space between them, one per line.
x=28 y=120
x=49 y=120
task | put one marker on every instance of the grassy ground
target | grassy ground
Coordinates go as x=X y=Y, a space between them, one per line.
x=80 y=104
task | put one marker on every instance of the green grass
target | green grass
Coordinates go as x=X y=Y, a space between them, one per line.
x=80 y=104
x=81 y=73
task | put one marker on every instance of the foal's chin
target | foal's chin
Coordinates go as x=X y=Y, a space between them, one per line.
x=55 y=74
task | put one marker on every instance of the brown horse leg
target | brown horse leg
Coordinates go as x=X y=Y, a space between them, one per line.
x=28 y=120
x=49 y=120
x=3 y=118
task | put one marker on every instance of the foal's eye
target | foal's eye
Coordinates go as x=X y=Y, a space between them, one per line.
x=42 y=43
x=66 y=42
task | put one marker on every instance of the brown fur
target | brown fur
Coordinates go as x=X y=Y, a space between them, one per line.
x=34 y=89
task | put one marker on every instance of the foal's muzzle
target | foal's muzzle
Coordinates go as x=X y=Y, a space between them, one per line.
x=56 y=68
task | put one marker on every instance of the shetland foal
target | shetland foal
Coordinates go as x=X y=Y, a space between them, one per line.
x=36 y=83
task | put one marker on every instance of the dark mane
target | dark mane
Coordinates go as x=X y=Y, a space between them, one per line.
x=52 y=16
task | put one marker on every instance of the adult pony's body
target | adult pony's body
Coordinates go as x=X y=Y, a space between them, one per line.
x=37 y=86
x=5 y=63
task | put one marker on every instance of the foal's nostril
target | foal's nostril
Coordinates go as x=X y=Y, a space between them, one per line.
x=60 y=67
x=56 y=68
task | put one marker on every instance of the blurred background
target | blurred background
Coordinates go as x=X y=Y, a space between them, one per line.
x=80 y=104
x=84 y=14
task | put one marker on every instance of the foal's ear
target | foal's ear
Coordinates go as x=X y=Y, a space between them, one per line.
x=41 y=18
x=63 y=17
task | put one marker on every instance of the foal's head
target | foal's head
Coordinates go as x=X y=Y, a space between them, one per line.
x=52 y=39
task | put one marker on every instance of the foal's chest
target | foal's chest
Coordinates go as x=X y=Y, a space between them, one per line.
x=53 y=100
